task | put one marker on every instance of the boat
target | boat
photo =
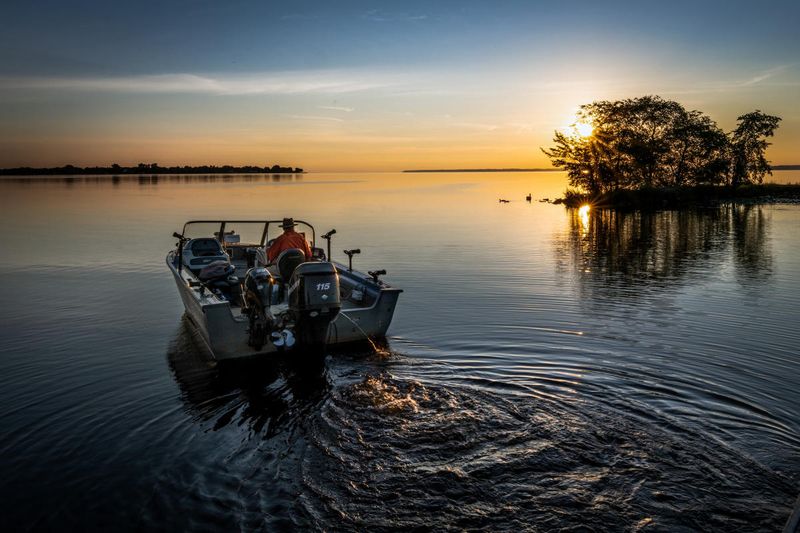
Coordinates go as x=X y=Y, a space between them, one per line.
x=242 y=305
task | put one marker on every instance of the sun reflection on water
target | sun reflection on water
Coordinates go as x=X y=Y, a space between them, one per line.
x=583 y=214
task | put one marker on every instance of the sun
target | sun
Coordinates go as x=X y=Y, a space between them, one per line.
x=578 y=125
x=583 y=129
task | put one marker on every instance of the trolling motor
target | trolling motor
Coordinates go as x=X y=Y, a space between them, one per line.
x=327 y=237
x=350 y=254
x=181 y=241
x=376 y=274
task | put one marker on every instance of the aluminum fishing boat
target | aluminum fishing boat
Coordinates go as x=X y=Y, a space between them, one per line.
x=244 y=305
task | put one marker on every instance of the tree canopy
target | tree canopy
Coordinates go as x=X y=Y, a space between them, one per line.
x=652 y=142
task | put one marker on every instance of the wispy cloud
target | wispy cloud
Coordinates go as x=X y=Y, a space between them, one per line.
x=337 y=108
x=476 y=126
x=326 y=82
x=376 y=15
x=765 y=75
x=315 y=117
x=521 y=127
x=785 y=75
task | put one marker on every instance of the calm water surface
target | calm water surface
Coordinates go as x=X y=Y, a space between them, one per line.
x=545 y=370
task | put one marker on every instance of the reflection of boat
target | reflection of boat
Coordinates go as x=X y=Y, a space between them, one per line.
x=264 y=393
x=275 y=307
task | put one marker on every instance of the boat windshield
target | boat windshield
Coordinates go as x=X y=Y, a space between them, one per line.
x=244 y=232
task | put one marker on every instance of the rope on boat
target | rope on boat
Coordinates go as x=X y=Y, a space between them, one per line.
x=374 y=346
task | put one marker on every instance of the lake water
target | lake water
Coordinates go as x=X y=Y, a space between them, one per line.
x=546 y=369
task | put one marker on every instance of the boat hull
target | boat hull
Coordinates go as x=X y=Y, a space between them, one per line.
x=225 y=332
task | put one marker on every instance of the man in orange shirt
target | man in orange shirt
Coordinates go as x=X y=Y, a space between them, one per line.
x=289 y=239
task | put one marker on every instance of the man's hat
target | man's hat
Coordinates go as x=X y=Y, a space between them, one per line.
x=288 y=223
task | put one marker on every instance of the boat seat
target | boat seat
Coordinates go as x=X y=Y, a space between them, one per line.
x=202 y=251
x=284 y=265
x=288 y=260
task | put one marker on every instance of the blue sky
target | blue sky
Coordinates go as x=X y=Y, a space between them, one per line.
x=371 y=85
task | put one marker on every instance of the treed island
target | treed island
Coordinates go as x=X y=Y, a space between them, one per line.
x=649 y=152
x=149 y=169
x=637 y=153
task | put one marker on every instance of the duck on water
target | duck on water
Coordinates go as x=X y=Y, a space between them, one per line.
x=292 y=302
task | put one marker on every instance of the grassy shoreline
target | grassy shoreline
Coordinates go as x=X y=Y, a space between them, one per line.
x=677 y=197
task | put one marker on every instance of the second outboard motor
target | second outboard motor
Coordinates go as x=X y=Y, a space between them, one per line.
x=314 y=299
x=259 y=288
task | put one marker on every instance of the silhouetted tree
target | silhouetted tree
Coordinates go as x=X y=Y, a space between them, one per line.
x=749 y=145
x=698 y=151
x=572 y=153
x=649 y=141
x=637 y=131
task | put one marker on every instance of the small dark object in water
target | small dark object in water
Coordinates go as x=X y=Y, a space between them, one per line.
x=503 y=201
x=528 y=198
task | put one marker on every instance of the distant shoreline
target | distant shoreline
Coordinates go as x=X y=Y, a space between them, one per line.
x=775 y=167
x=69 y=170
x=489 y=170
x=147 y=170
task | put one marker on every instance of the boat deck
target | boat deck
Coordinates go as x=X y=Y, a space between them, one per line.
x=357 y=290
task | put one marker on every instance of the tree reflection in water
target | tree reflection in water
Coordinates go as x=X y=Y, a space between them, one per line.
x=612 y=252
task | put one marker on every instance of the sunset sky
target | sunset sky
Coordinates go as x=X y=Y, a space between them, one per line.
x=336 y=86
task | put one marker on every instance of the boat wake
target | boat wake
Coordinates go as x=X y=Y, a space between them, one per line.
x=361 y=447
x=397 y=453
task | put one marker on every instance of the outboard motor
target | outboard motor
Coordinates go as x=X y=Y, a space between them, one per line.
x=314 y=300
x=218 y=276
x=260 y=289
